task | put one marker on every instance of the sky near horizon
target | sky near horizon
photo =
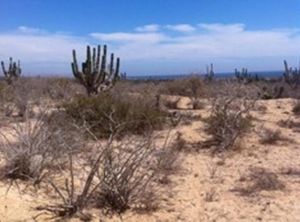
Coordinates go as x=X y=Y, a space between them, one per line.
x=152 y=37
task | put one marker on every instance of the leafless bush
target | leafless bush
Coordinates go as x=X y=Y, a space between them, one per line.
x=31 y=149
x=210 y=195
x=129 y=171
x=269 y=136
x=122 y=175
x=259 y=179
x=126 y=173
x=229 y=119
x=212 y=169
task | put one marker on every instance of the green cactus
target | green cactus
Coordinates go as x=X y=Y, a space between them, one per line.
x=95 y=75
x=291 y=76
x=13 y=72
x=245 y=77
x=210 y=73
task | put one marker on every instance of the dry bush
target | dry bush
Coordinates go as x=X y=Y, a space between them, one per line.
x=60 y=88
x=121 y=175
x=128 y=169
x=296 y=108
x=31 y=149
x=191 y=87
x=108 y=113
x=210 y=195
x=269 y=136
x=229 y=119
x=259 y=179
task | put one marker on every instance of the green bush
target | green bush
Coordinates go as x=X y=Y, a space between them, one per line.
x=109 y=113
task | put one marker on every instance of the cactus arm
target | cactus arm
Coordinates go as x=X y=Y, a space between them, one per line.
x=74 y=63
x=94 y=61
x=111 y=68
x=103 y=62
x=3 y=69
x=117 y=68
x=98 y=58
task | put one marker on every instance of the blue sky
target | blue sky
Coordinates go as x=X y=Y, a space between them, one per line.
x=152 y=36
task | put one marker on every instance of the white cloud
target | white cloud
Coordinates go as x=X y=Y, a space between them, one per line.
x=227 y=45
x=129 y=37
x=181 y=28
x=223 y=28
x=148 y=28
x=30 y=30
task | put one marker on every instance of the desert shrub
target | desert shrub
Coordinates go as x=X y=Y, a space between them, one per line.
x=296 y=108
x=121 y=175
x=127 y=171
x=269 y=136
x=229 y=119
x=259 y=179
x=31 y=149
x=190 y=86
x=109 y=113
x=269 y=91
x=60 y=88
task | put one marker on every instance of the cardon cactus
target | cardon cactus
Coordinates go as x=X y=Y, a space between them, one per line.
x=210 y=73
x=245 y=77
x=291 y=76
x=13 y=72
x=96 y=76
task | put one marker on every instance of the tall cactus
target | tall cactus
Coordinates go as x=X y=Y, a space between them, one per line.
x=244 y=77
x=210 y=72
x=291 y=76
x=96 y=76
x=13 y=72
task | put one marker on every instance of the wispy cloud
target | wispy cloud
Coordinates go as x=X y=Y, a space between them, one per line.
x=223 y=28
x=181 y=28
x=30 y=30
x=148 y=28
x=129 y=37
x=168 y=48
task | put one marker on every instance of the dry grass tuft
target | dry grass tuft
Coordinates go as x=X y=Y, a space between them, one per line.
x=259 y=179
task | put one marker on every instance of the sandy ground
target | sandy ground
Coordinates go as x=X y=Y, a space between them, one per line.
x=203 y=189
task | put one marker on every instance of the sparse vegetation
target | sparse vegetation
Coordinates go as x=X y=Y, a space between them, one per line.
x=259 y=179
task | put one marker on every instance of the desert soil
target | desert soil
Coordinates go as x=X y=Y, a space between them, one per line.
x=204 y=187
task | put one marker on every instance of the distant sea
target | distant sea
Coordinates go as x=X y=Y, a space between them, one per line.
x=265 y=74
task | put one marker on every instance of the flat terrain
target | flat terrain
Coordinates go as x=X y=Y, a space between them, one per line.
x=207 y=187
